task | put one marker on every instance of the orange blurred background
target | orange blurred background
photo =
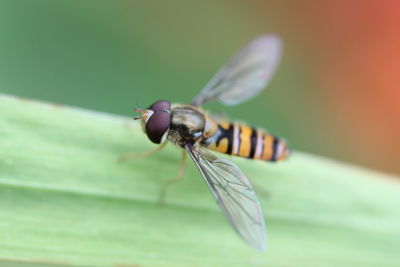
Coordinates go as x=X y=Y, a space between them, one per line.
x=353 y=75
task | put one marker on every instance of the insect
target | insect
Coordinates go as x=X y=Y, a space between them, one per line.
x=197 y=132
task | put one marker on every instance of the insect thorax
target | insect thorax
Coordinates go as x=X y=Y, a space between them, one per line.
x=187 y=125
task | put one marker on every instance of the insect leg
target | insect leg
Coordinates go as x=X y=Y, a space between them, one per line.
x=132 y=155
x=181 y=173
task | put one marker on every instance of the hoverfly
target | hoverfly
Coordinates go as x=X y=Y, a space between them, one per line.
x=196 y=132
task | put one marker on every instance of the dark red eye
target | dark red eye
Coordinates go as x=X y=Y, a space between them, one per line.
x=161 y=105
x=158 y=123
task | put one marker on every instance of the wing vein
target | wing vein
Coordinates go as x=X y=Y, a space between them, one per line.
x=234 y=195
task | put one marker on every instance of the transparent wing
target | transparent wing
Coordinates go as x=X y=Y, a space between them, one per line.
x=234 y=195
x=245 y=75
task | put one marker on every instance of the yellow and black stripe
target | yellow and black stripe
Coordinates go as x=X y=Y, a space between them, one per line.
x=244 y=141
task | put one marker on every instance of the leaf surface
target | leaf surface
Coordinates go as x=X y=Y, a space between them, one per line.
x=65 y=200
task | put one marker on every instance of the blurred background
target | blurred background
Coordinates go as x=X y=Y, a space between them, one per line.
x=336 y=92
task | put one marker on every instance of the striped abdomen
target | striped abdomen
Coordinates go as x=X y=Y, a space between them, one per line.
x=244 y=141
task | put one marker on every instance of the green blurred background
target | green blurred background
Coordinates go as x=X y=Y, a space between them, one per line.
x=115 y=55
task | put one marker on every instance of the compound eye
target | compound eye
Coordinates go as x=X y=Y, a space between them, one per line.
x=161 y=105
x=158 y=125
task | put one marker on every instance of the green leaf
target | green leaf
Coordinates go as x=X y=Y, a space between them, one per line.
x=65 y=200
